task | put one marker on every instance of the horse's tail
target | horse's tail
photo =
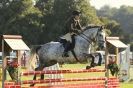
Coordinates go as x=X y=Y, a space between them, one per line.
x=32 y=61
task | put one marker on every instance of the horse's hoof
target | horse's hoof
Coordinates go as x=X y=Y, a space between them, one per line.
x=88 y=67
x=32 y=85
x=98 y=64
x=93 y=65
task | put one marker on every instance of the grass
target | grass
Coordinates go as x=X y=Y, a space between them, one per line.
x=126 y=85
x=81 y=75
x=81 y=66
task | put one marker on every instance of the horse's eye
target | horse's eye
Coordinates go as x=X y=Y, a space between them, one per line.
x=100 y=34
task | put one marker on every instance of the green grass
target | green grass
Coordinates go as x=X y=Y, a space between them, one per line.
x=126 y=85
x=81 y=75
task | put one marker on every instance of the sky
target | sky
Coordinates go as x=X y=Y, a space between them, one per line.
x=112 y=3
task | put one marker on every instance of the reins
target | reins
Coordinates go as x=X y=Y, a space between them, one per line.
x=86 y=37
x=82 y=35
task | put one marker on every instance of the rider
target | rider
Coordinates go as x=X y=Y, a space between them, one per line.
x=73 y=28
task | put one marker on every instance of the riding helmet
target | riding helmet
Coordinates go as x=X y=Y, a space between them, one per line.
x=76 y=12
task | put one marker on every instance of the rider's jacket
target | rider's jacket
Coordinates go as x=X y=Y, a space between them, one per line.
x=72 y=25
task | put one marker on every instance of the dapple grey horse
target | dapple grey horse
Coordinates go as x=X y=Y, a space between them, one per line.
x=51 y=53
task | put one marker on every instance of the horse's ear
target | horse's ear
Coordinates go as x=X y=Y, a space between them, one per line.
x=94 y=40
x=101 y=28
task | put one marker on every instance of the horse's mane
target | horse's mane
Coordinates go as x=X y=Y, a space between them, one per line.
x=91 y=26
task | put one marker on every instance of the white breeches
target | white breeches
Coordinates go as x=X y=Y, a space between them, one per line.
x=67 y=37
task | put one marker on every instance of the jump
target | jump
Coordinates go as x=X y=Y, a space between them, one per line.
x=51 y=53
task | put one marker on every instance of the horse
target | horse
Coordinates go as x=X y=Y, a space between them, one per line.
x=51 y=53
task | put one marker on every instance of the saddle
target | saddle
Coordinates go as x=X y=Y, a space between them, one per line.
x=66 y=44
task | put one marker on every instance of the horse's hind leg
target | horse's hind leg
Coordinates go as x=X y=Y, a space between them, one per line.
x=34 y=78
x=42 y=75
x=40 y=69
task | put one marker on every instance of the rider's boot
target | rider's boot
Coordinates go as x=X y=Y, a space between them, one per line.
x=65 y=53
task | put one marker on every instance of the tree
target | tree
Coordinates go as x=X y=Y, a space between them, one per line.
x=113 y=28
x=58 y=11
x=21 y=17
x=122 y=16
x=44 y=20
x=107 y=11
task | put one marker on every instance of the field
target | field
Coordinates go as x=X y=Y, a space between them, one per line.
x=82 y=66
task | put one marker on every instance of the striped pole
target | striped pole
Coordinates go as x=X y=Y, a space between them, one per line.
x=60 y=71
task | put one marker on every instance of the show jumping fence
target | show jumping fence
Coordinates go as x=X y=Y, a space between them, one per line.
x=96 y=82
x=0 y=74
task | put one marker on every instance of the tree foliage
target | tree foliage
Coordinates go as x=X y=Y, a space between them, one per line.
x=44 y=20
x=21 y=17
x=123 y=16
x=56 y=12
x=113 y=27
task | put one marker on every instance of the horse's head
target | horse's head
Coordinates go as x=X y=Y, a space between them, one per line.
x=101 y=38
x=95 y=33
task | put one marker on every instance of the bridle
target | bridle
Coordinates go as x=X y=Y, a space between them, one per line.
x=86 y=37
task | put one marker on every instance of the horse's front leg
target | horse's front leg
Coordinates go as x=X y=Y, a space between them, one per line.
x=92 y=56
x=100 y=59
x=42 y=75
